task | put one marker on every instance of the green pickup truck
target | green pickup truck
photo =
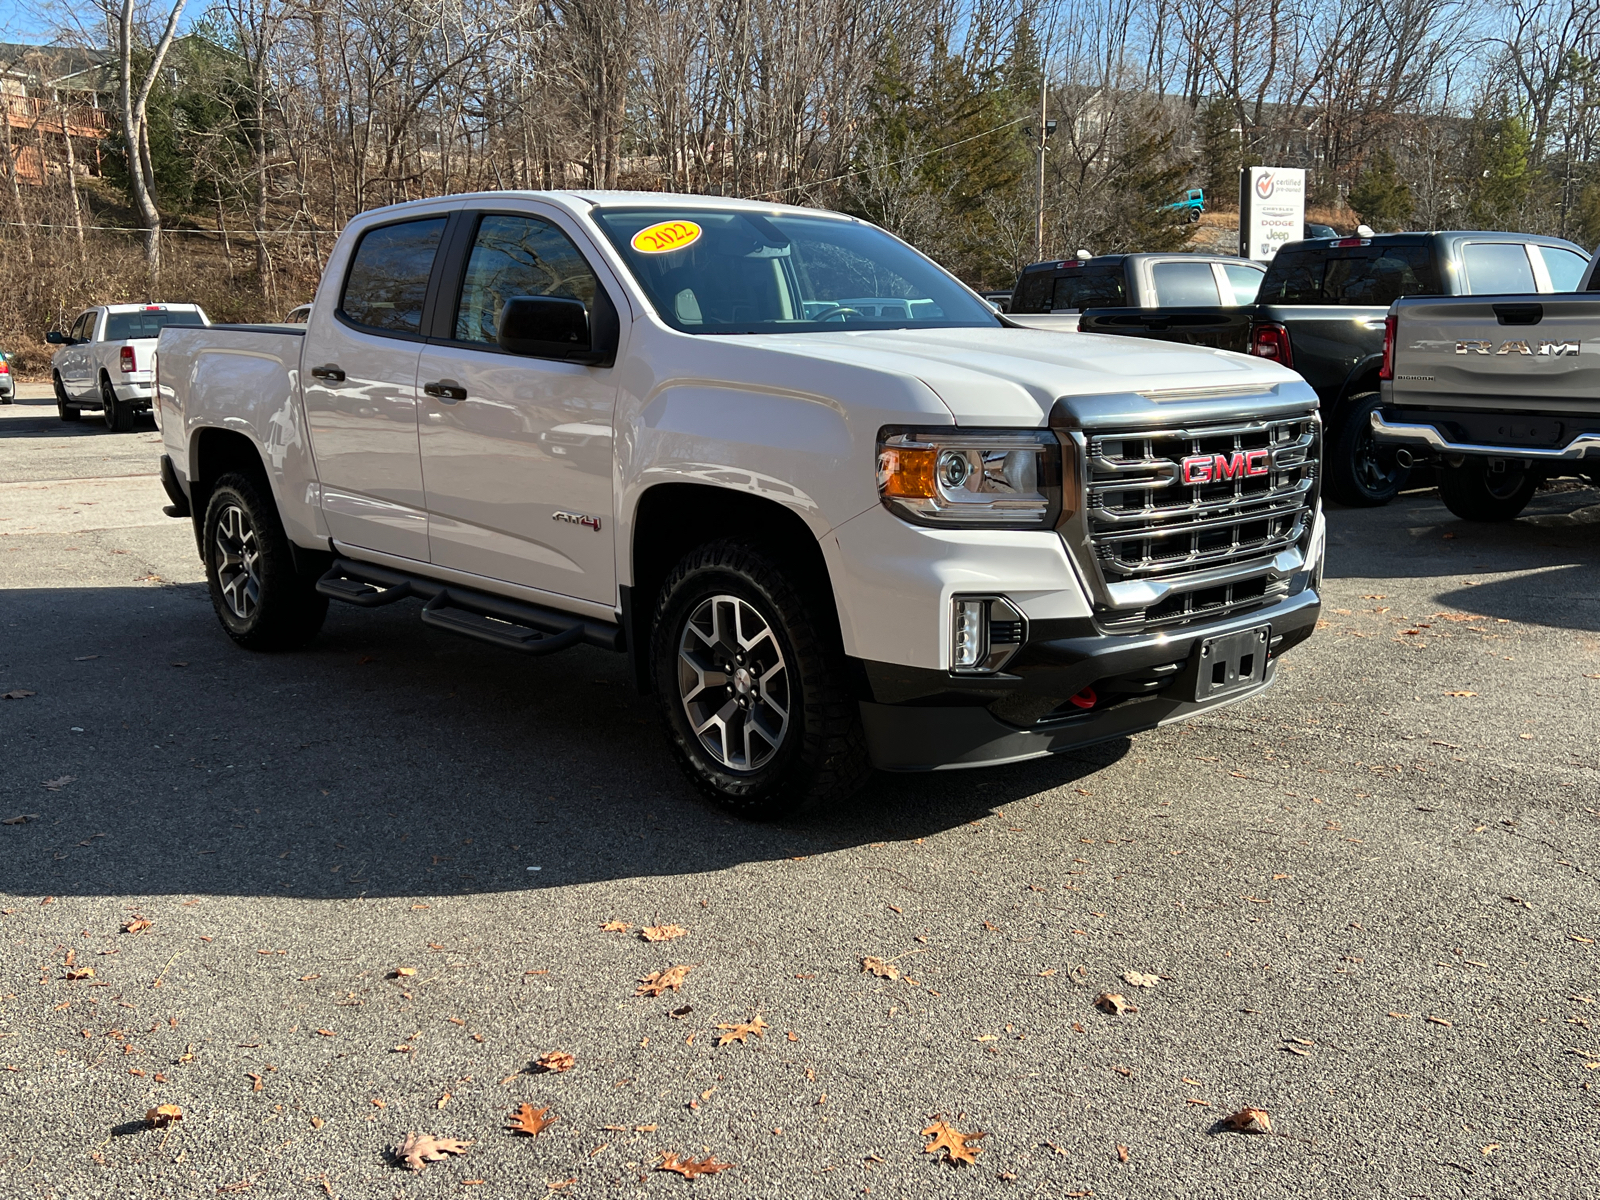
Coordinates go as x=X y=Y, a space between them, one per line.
x=1321 y=311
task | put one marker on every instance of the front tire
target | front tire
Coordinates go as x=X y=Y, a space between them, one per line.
x=118 y=416
x=64 y=410
x=753 y=691
x=261 y=600
x=1360 y=472
x=1475 y=493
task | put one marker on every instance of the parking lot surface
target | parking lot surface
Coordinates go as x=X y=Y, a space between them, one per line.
x=377 y=876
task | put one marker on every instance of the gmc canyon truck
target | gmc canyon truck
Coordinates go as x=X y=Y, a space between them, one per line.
x=1321 y=310
x=1500 y=390
x=104 y=360
x=827 y=538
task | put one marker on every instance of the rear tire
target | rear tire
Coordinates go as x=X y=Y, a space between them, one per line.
x=118 y=415
x=1360 y=472
x=261 y=600
x=1475 y=493
x=64 y=410
x=753 y=692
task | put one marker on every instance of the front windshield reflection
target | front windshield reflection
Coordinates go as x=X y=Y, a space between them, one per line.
x=734 y=271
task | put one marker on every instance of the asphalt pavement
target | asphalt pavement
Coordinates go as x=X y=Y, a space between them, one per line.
x=376 y=875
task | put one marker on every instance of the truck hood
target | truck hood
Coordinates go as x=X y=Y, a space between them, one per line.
x=1015 y=376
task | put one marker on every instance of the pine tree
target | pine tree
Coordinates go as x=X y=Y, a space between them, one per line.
x=1381 y=198
x=1221 y=155
x=1148 y=173
x=1499 y=175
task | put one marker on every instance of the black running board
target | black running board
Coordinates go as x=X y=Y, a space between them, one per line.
x=509 y=624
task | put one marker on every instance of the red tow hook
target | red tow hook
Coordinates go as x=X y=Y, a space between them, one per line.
x=1084 y=699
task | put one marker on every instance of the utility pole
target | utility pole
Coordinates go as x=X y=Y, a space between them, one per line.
x=1046 y=128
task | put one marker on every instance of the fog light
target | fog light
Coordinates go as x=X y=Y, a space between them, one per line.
x=985 y=631
x=968 y=618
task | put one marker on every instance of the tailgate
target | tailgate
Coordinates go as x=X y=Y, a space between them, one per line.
x=1497 y=352
x=1220 y=328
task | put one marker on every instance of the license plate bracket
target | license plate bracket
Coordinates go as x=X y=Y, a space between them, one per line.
x=1232 y=662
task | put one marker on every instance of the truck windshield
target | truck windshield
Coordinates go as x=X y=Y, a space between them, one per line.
x=732 y=271
x=130 y=326
x=1373 y=276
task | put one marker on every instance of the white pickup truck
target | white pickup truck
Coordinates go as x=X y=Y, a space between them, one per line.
x=105 y=359
x=828 y=538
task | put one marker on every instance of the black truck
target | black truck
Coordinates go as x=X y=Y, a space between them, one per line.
x=1321 y=311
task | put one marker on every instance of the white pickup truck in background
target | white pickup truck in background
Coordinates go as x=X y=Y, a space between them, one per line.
x=837 y=511
x=105 y=359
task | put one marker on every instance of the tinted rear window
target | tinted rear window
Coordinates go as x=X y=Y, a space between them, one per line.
x=1371 y=276
x=1074 y=288
x=389 y=275
x=1097 y=287
x=126 y=326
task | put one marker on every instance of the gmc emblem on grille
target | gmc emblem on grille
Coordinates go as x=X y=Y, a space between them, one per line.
x=1212 y=468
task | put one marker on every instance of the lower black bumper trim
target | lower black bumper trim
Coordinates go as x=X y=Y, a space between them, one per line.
x=169 y=483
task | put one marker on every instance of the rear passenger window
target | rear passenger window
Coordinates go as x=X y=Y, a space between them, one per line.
x=388 y=276
x=1244 y=282
x=1497 y=268
x=1182 y=283
x=517 y=256
x=1032 y=294
x=1378 y=280
x=1566 y=268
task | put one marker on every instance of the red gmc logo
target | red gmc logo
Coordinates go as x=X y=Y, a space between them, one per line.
x=1210 y=468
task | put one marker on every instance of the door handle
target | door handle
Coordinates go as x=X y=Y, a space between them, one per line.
x=330 y=372
x=446 y=391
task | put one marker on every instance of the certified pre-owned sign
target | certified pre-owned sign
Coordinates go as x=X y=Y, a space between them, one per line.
x=1272 y=209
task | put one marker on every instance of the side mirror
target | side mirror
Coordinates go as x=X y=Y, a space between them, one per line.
x=56 y=338
x=561 y=328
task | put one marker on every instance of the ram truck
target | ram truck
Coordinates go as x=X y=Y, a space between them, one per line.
x=1051 y=295
x=836 y=512
x=1321 y=310
x=104 y=360
x=1499 y=391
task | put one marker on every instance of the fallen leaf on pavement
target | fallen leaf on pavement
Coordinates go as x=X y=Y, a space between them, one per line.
x=615 y=927
x=529 y=1120
x=657 y=982
x=137 y=925
x=1114 y=1003
x=55 y=785
x=402 y=973
x=689 y=1168
x=740 y=1033
x=662 y=933
x=1250 y=1120
x=1122 y=1152
x=421 y=1149
x=1140 y=980
x=20 y=820
x=163 y=1115
x=876 y=966
x=18 y=694
x=556 y=1060
x=949 y=1141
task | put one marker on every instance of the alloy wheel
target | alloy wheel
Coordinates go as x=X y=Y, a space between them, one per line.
x=238 y=562
x=733 y=682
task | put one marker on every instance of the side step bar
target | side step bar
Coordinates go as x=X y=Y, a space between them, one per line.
x=509 y=624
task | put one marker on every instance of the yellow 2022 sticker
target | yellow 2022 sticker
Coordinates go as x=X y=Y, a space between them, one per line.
x=666 y=236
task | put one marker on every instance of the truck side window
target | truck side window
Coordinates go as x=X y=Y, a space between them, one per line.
x=1180 y=283
x=1033 y=293
x=82 y=328
x=1566 y=268
x=517 y=256
x=1497 y=268
x=389 y=275
x=1243 y=282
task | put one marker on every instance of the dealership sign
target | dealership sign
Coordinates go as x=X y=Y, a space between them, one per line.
x=1272 y=210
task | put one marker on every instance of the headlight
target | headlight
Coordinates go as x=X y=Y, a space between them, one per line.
x=1009 y=479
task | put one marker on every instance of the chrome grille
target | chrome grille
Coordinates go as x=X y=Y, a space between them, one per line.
x=1204 y=548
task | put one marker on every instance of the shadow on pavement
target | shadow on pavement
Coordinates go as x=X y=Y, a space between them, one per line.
x=385 y=760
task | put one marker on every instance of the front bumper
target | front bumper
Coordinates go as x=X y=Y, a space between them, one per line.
x=922 y=720
x=1428 y=436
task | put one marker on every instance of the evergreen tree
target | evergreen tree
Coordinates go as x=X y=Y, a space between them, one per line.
x=1381 y=198
x=1147 y=174
x=1499 y=176
x=1221 y=156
